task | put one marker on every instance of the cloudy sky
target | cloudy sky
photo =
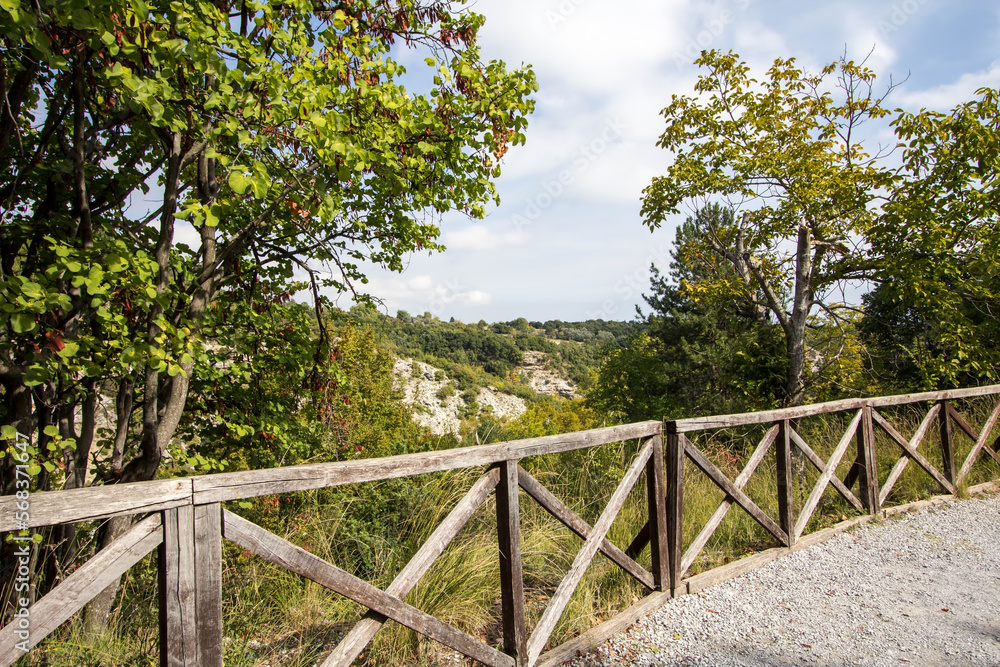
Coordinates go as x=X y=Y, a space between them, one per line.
x=568 y=242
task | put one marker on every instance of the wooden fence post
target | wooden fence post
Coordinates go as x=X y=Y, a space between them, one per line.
x=178 y=622
x=786 y=494
x=947 y=445
x=515 y=633
x=190 y=575
x=868 y=475
x=208 y=583
x=656 y=499
x=675 y=504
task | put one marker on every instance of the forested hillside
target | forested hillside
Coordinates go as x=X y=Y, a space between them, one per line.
x=480 y=353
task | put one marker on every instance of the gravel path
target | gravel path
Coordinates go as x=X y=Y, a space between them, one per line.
x=921 y=588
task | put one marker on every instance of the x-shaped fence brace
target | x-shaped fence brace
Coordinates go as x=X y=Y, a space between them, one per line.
x=389 y=604
x=861 y=429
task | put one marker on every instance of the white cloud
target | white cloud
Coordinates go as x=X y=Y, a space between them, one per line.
x=424 y=293
x=947 y=96
x=479 y=237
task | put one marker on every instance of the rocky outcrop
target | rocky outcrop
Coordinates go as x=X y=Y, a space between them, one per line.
x=437 y=404
x=544 y=380
x=503 y=405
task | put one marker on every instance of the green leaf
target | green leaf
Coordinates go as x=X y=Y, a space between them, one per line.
x=35 y=376
x=260 y=185
x=34 y=469
x=8 y=432
x=32 y=290
x=70 y=350
x=211 y=219
x=141 y=10
x=51 y=430
x=84 y=20
x=238 y=182
x=22 y=323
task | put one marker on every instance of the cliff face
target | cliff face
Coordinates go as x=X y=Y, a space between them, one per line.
x=436 y=403
x=542 y=379
x=438 y=406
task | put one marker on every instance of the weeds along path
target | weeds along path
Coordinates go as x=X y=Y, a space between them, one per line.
x=919 y=588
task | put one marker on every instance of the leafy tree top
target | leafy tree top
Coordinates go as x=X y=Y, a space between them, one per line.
x=280 y=132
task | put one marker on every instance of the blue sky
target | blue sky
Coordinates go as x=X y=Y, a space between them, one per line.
x=567 y=241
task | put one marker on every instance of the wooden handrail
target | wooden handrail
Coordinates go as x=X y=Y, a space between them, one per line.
x=798 y=412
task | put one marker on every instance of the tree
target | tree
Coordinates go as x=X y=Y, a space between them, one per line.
x=703 y=351
x=786 y=151
x=937 y=246
x=275 y=139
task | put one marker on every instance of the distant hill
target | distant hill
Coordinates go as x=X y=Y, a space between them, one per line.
x=480 y=362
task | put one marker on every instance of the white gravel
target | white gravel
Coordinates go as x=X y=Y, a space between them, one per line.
x=921 y=588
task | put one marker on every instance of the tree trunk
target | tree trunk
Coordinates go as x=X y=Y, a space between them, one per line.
x=98 y=611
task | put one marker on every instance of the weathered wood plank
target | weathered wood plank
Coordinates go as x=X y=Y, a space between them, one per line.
x=725 y=421
x=947 y=446
x=869 y=472
x=656 y=503
x=551 y=504
x=741 y=481
x=252 y=483
x=638 y=542
x=783 y=469
x=981 y=441
x=910 y=452
x=820 y=465
x=97 y=502
x=599 y=634
x=961 y=423
x=557 y=604
x=554 y=444
x=295 y=559
x=675 y=504
x=512 y=613
x=828 y=474
x=81 y=586
x=178 y=609
x=208 y=583
x=248 y=484
x=351 y=646
x=740 y=498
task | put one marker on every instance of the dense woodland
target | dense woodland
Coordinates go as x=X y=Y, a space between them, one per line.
x=282 y=135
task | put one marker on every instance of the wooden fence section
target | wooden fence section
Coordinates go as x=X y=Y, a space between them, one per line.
x=186 y=522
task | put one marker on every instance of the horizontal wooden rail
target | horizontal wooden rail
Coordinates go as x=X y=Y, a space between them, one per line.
x=769 y=416
x=95 y=502
x=239 y=485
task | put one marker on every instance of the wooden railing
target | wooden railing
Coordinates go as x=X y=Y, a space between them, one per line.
x=185 y=520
